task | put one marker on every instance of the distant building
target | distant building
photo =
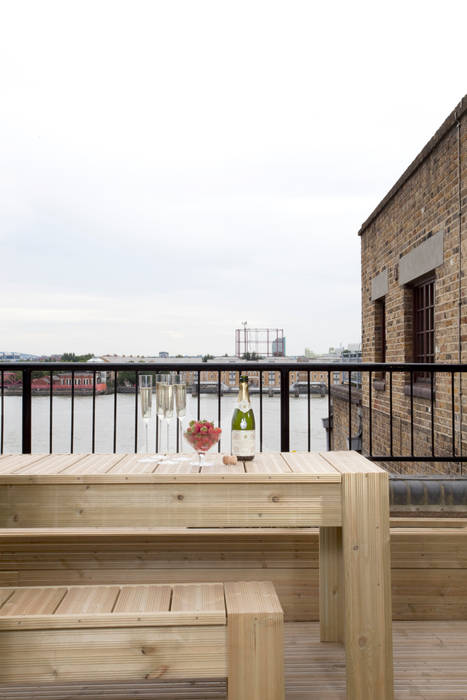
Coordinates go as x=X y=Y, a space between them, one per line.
x=164 y=354
x=278 y=347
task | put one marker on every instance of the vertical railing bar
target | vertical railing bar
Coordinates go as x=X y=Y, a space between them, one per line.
x=453 y=427
x=411 y=414
x=350 y=409
x=285 y=410
x=219 y=405
x=2 y=422
x=51 y=403
x=177 y=422
x=93 y=426
x=391 y=436
x=260 y=411
x=370 y=414
x=115 y=411
x=330 y=427
x=198 y=398
x=136 y=410
x=26 y=412
x=432 y=374
x=308 y=412
x=72 y=427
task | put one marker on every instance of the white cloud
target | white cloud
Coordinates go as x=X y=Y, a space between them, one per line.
x=171 y=168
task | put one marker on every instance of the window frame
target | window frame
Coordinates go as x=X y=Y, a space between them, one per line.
x=423 y=324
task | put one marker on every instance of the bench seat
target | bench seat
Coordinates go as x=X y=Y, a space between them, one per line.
x=136 y=632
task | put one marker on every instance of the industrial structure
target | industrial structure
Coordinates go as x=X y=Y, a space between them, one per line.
x=266 y=342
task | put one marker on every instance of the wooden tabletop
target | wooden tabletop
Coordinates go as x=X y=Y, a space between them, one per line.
x=325 y=467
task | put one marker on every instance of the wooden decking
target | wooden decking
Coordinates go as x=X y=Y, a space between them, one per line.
x=430 y=660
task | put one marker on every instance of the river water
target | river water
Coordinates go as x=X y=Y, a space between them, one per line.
x=126 y=420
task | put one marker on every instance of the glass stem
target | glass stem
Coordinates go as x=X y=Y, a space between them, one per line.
x=146 y=432
x=167 y=437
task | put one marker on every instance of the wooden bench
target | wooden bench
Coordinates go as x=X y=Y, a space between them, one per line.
x=136 y=632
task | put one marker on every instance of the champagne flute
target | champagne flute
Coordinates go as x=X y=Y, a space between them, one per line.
x=145 y=397
x=169 y=406
x=165 y=403
x=160 y=396
x=180 y=408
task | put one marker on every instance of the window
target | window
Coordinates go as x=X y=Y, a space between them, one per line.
x=380 y=331
x=380 y=342
x=423 y=325
x=272 y=377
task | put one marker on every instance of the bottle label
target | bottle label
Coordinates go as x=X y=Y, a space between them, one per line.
x=243 y=443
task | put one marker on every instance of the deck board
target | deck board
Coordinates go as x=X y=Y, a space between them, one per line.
x=430 y=663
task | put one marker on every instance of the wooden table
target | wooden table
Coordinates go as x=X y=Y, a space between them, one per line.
x=341 y=492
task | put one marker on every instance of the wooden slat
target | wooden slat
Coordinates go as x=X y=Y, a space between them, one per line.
x=270 y=463
x=143 y=654
x=202 y=597
x=139 y=599
x=311 y=463
x=32 y=601
x=196 y=504
x=133 y=464
x=180 y=468
x=350 y=462
x=10 y=464
x=93 y=464
x=88 y=599
x=219 y=468
x=51 y=464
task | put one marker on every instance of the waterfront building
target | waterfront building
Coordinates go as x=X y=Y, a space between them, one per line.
x=414 y=301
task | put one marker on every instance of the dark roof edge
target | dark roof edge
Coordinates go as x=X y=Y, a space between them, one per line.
x=445 y=127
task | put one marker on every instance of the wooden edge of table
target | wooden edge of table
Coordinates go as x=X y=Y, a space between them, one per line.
x=204 y=478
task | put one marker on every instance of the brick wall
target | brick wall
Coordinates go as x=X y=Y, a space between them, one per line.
x=423 y=202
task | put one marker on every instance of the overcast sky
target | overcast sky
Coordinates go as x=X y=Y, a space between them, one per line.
x=171 y=169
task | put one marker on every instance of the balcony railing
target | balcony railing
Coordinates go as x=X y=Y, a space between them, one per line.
x=365 y=375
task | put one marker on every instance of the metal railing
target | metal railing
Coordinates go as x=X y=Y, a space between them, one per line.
x=368 y=371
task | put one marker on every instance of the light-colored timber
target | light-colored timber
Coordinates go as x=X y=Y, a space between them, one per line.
x=333 y=490
x=130 y=468
x=430 y=663
x=103 y=633
x=196 y=504
x=367 y=582
x=255 y=642
x=331 y=579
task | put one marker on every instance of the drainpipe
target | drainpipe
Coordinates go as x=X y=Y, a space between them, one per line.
x=459 y=195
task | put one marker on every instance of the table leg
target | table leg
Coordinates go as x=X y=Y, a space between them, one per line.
x=331 y=585
x=367 y=580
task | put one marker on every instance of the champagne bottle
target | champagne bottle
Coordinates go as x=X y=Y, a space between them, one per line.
x=243 y=424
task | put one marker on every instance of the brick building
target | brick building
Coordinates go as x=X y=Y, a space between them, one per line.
x=414 y=297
